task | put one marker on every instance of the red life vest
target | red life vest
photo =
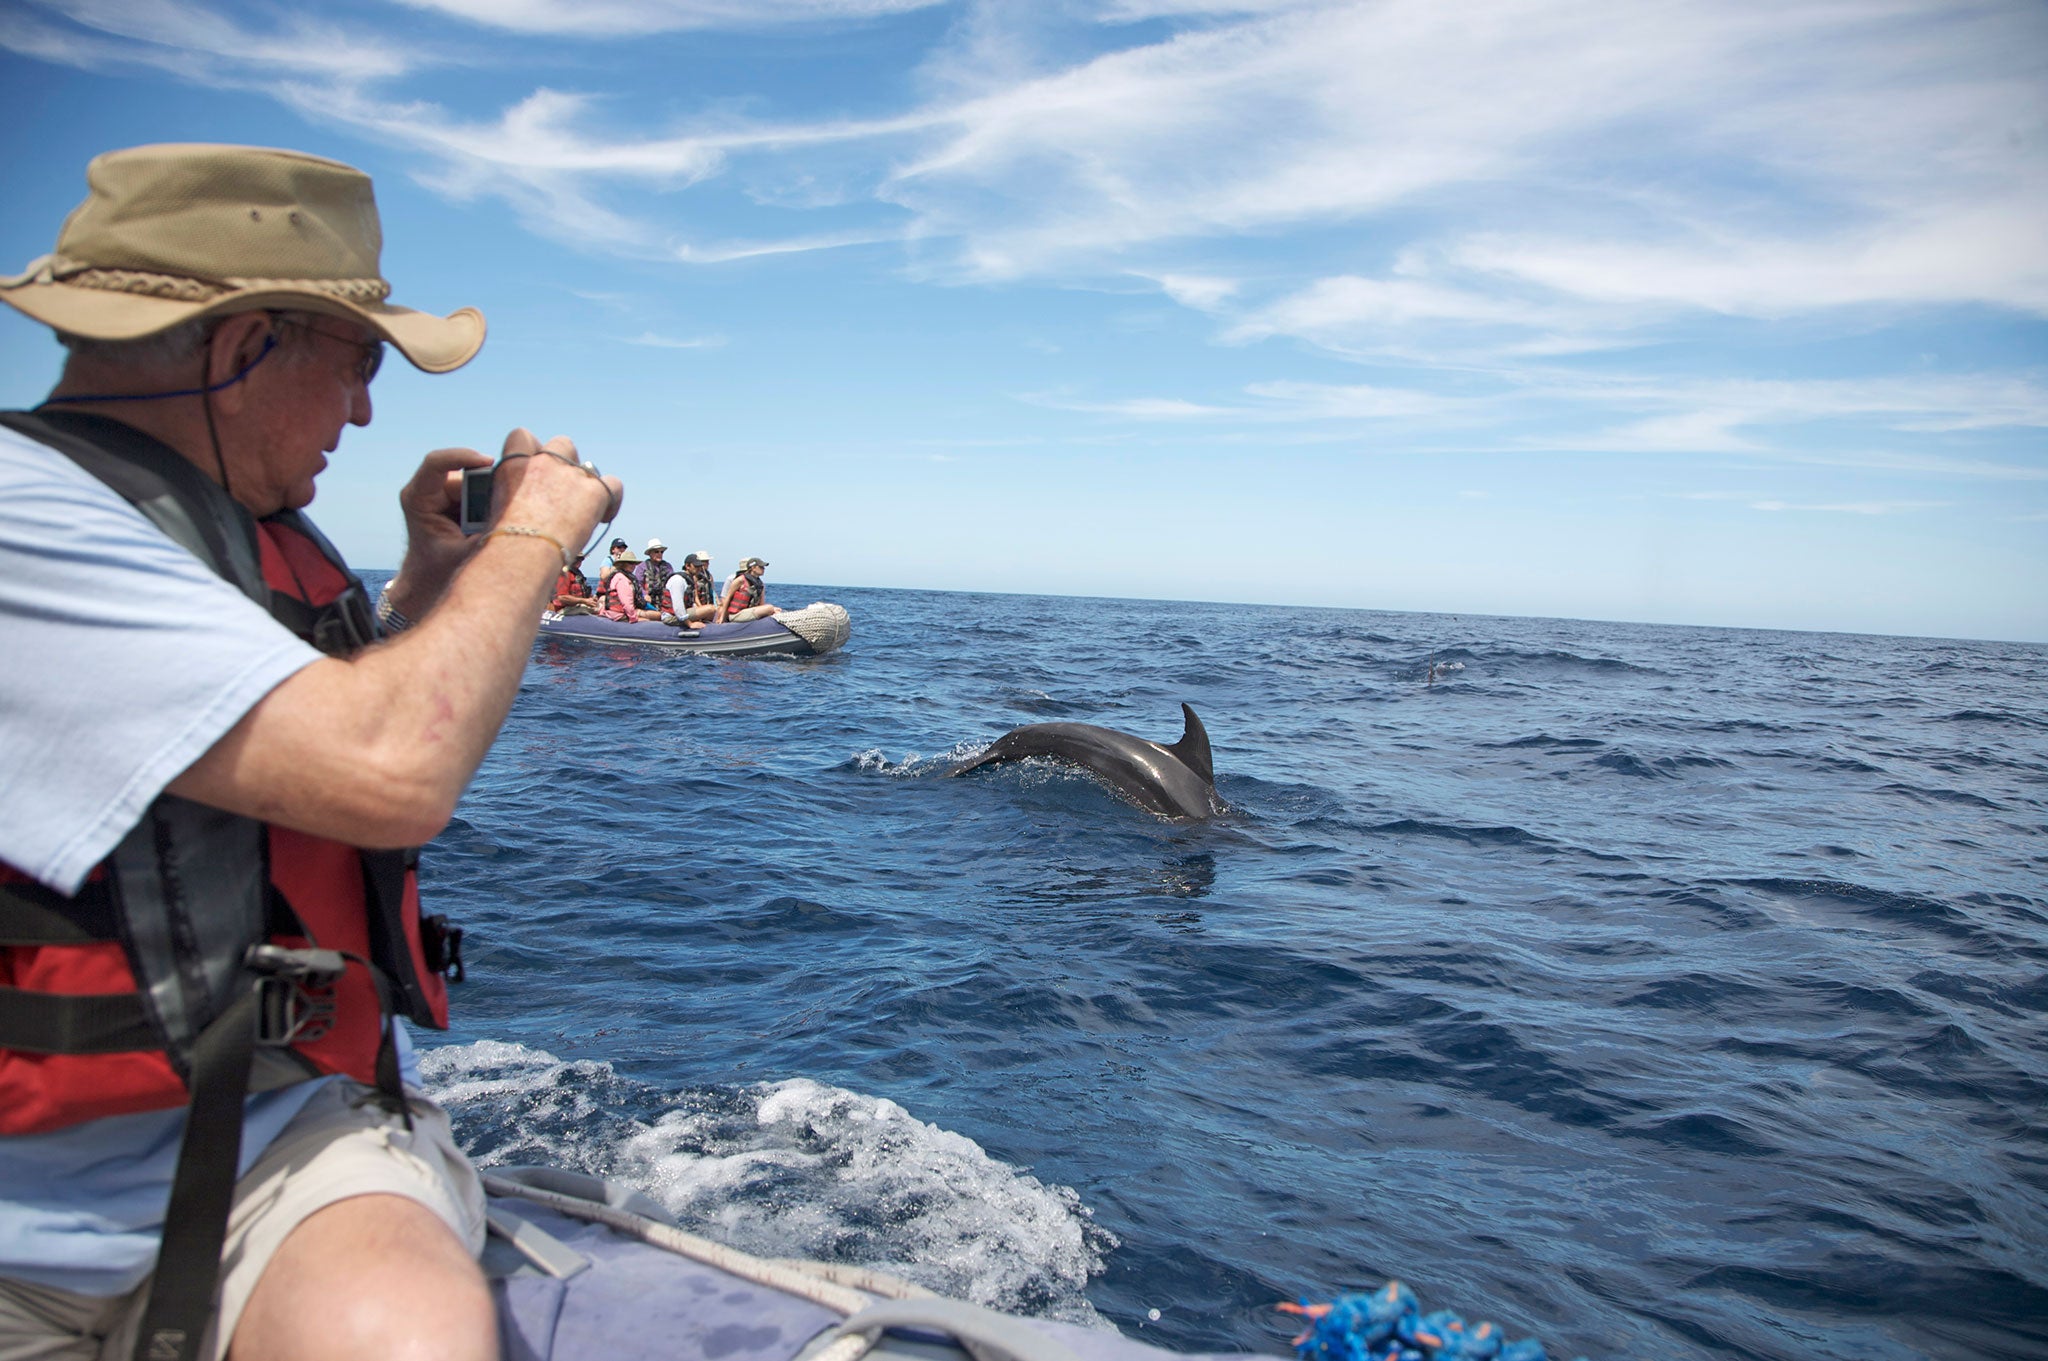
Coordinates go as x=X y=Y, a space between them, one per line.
x=104 y=994
x=619 y=598
x=569 y=585
x=746 y=593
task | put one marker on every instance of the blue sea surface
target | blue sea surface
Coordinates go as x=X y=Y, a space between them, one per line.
x=1656 y=991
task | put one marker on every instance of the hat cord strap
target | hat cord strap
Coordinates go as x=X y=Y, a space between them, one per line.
x=269 y=344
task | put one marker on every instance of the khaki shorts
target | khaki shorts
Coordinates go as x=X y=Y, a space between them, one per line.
x=756 y=612
x=342 y=1144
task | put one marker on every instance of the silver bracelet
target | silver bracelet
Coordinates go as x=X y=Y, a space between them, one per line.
x=389 y=619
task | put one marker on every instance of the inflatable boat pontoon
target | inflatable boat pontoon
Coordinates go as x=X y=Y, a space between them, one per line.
x=583 y=1269
x=809 y=632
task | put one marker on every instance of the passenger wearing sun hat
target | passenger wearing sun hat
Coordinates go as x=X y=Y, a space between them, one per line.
x=746 y=596
x=224 y=312
x=651 y=577
x=620 y=597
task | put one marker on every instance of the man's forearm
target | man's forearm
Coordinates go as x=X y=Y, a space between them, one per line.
x=376 y=750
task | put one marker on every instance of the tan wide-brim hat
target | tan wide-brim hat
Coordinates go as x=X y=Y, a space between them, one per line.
x=169 y=233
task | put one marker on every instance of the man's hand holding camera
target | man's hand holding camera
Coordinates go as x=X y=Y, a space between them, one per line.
x=531 y=487
x=543 y=490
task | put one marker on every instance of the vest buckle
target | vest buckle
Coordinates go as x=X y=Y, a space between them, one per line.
x=294 y=996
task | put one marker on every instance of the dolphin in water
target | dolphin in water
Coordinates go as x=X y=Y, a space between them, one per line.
x=1176 y=782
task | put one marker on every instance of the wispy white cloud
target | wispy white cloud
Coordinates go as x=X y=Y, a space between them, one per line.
x=1628 y=163
x=199 y=43
x=1629 y=170
x=725 y=252
x=1632 y=414
x=1851 y=507
x=635 y=18
x=1347 y=401
x=1706 y=431
x=1733 y=415
x=1277 y=401
x=1203 y=292
x=1137 y=408
x=1350 y=314
x=1985 y=251
x=662 y=342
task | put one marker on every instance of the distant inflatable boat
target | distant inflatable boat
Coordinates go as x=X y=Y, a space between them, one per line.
x=809 y=632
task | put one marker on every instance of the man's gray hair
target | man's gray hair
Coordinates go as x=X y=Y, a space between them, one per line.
x=178 y=346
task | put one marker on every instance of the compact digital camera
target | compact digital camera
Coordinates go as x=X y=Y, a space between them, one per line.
x=476 y=499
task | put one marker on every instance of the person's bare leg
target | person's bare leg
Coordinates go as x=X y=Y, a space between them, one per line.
x=374 y=1275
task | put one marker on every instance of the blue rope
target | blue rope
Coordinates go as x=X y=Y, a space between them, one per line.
x=1389 y=1325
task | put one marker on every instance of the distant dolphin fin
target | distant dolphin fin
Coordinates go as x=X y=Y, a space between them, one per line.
x=1192 y=750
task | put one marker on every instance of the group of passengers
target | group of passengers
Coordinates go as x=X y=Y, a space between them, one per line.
x=631 y=588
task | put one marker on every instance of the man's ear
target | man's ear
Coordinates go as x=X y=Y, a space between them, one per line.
x=235 y=345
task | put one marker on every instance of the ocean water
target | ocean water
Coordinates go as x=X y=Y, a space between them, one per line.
x=1659 y=992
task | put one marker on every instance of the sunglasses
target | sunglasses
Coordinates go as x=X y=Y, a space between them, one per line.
x=370 y=352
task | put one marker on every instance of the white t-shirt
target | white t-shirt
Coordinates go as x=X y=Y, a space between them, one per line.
x=122 y=659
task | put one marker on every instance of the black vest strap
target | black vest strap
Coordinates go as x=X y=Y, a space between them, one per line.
x=40 y=1023
x=161 y=483
x=203 y=1189
x=31 y=914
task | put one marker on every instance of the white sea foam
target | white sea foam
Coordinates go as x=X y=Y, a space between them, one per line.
x=512 y=1104
x=796 y=1168
x=803 y=1168
x=913 y=766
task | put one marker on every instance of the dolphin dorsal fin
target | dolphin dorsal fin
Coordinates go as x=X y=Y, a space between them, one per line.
x=1193 y=748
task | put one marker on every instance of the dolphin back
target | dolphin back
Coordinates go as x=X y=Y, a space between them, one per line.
x=1177 y=781
x=1192 y=750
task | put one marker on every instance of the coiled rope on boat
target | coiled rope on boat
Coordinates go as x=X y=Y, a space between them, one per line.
x=823 y=625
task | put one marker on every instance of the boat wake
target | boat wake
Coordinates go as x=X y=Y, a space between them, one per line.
x=795 y=1168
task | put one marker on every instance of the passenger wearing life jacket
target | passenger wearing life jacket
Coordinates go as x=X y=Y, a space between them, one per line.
x=210 y=933
x=746 y=597
x=620 y=600
x=703 y=590
x=692 y=596
x=572 y=590
x=604 y=575
x=650 y=578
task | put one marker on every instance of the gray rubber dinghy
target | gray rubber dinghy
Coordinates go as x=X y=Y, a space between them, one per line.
x=809 y=632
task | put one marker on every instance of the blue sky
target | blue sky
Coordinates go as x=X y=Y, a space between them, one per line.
x=1720 y=313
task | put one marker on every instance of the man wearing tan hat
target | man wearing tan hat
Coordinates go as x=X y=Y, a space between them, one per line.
x=217 y=758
